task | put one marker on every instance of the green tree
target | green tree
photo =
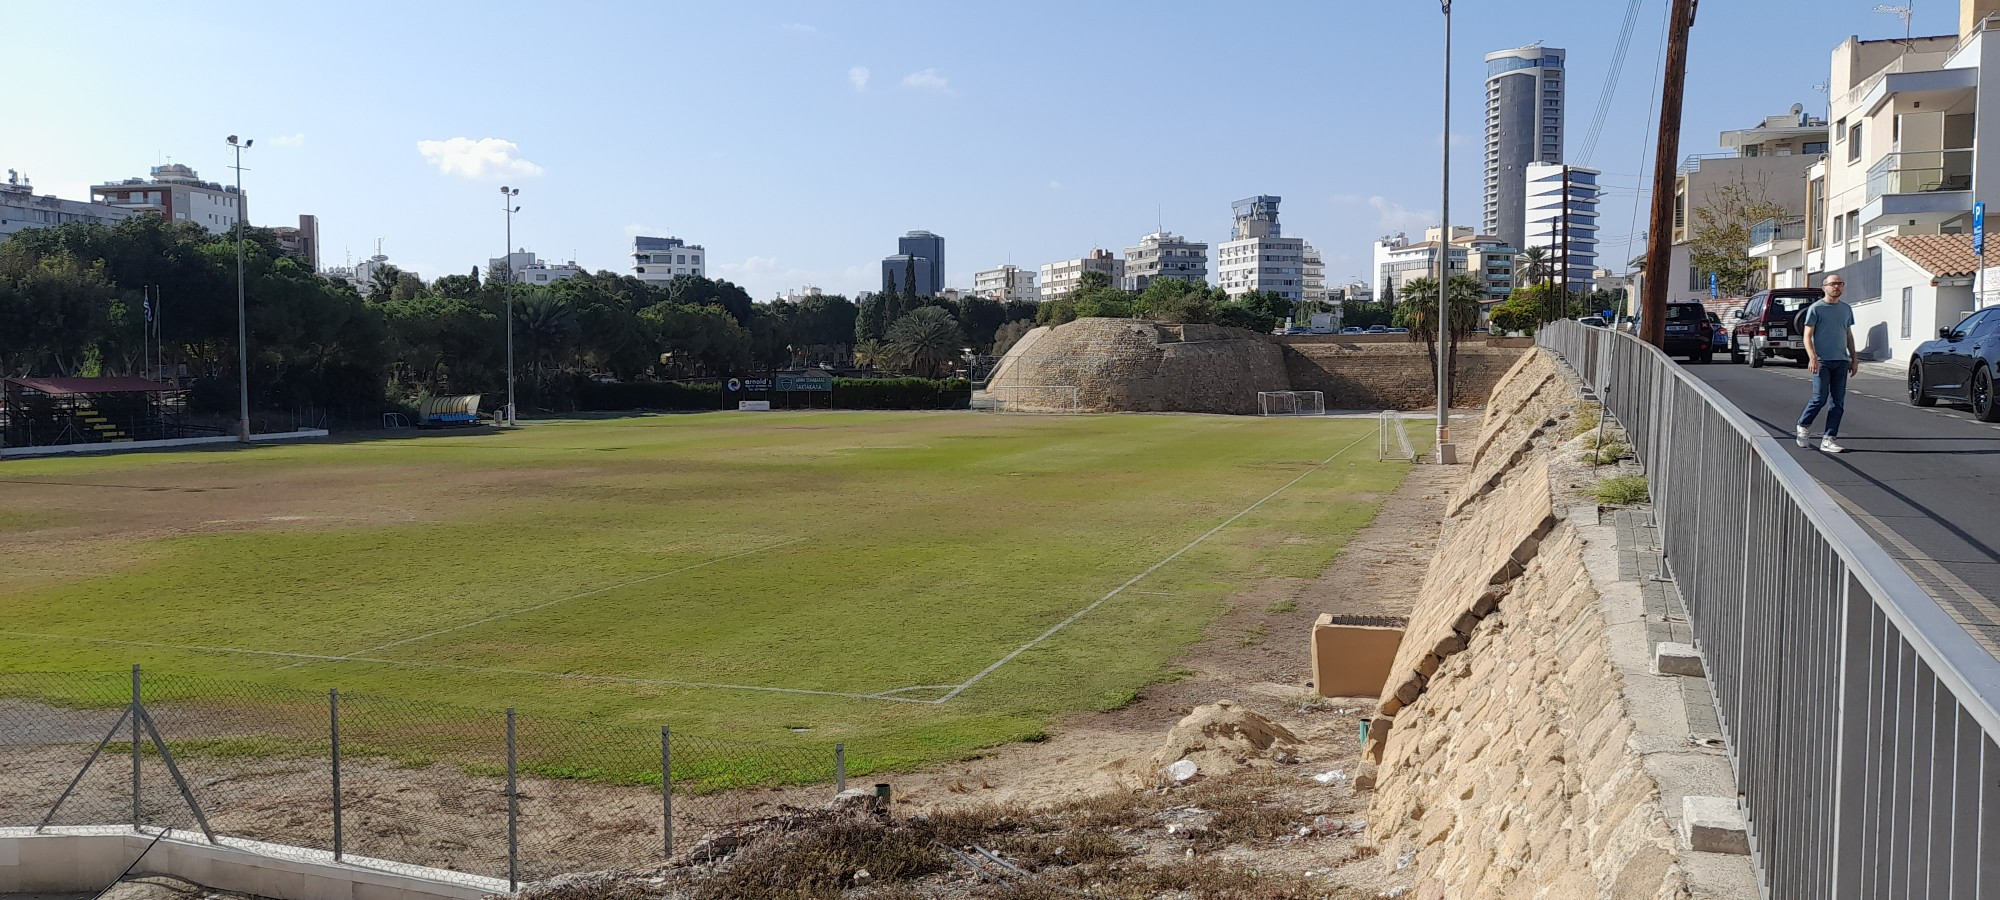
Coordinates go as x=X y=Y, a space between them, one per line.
x=1719 y=236
x=926 y=341
x=54 y=313
x=1178 y=300
x=1531 y=265
x=910 y=278
x=1366 y=315
x=1009 y=335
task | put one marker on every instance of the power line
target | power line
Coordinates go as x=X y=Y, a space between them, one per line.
x=1610 y=94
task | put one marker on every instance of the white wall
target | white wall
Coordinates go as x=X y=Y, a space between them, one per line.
x=1879 y=324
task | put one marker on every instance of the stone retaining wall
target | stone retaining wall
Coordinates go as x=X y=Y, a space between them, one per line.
x=1502 y=759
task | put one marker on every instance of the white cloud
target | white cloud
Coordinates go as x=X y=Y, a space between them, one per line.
x=296 y=140
x=1393 y=216
x=483 y=158
x=858 y=76
x=927 y=80
x=799 y=28
x=755 y=267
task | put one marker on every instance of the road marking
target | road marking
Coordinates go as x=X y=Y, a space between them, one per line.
x=577 y=596
x=482 y=670
x=1059 y=626
x=1911 y=555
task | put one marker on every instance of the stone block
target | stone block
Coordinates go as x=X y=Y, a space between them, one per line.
x=1677 y=659
x=1352 y=655
x=1713 y=825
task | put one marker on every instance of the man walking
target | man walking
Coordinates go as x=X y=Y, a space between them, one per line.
x=1829 y=341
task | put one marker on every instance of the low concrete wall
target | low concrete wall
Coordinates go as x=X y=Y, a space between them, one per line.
x=72 y=859
x=129 y=446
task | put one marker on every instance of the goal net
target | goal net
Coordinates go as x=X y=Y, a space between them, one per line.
x=1291 y=403
x=1028 y=398
x=1392 y=440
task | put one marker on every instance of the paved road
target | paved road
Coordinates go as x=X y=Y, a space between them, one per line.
x=1925 y=481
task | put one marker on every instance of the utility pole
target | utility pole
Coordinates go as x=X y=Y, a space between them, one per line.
x=1447 y=454
x=1659 y=235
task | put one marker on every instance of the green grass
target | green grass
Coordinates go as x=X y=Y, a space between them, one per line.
x=1621 y=490
x=873 y=551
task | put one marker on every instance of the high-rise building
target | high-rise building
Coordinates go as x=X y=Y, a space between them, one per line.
x=662 y=259
x=301 y=243
x=1567 y=229
x=1164 y=255
x=1524 y=127
x=1059 y=278
x=907 y=274
x=1005 y=284
x=921 y=245
x=1259 y=257
x=179 y=195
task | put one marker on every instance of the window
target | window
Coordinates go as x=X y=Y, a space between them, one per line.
x=1854 y=225
x=1840 y=130
x=1854 y=143
x=1812 y=147
x=1839 y=229
x=1752 y=151
x=680 y=259
x=1909 y=306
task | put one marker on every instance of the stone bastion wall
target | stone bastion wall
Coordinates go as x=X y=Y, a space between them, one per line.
x=1128 y=365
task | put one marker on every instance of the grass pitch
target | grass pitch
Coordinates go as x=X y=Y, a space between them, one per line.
x=870 y=578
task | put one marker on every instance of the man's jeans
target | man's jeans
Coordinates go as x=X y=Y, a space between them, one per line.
x=1830 y=394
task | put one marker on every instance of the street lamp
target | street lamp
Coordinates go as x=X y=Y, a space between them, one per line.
x=1447 y=454
x=507 y=196
x=242 y=327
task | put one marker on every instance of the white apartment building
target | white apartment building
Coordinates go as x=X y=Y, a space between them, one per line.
x=1314 y=271
x=1164 y=255
x=178 y=194
x=21 y=209
x=1259 y=257
x=1397 y=261
x=1006 y=284
x=547 y=273
x=509 y=268
x=661 y=259
x=1904 y=162
x=1059 y=278
x=1566 y=226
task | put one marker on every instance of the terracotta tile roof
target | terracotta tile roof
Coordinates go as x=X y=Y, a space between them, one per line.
x=1942 y=255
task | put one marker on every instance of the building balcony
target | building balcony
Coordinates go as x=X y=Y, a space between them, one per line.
x=1777 y=236
x=1927 y=90
x=1927 y=187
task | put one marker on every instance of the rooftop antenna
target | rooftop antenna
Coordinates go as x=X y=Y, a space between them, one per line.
x=1902 y=12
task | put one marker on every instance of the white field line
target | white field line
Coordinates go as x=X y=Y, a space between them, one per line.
x=1059 y=626
x=578 y=596
x=303 y=658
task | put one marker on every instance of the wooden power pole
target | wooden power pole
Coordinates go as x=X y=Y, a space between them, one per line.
x=1660 y=235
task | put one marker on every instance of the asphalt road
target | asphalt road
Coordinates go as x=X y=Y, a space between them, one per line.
x=1926 y=482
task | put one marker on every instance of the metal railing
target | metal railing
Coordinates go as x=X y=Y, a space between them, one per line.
x=1781 y=228
x=1861 y=718
x=1920 y=172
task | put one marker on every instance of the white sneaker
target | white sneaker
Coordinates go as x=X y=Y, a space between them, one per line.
x=1804 y=437
x=1827 y=445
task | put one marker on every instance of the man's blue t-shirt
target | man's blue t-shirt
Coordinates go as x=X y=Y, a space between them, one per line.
x=1830 y=322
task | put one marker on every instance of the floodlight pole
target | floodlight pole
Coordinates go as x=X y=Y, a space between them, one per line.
x=1446 y=453
x=507 y=196
x=242 y=327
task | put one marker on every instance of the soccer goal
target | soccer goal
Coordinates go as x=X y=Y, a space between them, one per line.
x=1392 y=440
x=1291 y=403
x=1062 y=399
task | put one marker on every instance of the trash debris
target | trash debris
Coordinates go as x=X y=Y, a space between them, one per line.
x=1181 y=771
x=1403 y=862
x=1334 y=776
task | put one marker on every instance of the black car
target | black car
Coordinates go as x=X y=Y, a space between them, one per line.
x=1959 y=365
x=1689 y=333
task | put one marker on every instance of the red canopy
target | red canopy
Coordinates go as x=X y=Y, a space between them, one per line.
x=117 y=385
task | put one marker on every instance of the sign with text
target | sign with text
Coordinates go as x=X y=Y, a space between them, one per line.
x=1979 y=228
x=753 y=406
x=805 y=383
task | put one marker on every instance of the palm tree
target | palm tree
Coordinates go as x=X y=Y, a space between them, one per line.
x=926 y=341
x=1418 y=312
x=549 y=323
x=1531 y=265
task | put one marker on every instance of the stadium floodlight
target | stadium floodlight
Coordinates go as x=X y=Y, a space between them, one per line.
x=1291 y=403
x=242 y=324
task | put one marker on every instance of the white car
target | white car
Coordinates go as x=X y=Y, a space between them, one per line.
x=1595 y=321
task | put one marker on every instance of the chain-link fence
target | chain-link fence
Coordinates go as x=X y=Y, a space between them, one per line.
x=479 y=792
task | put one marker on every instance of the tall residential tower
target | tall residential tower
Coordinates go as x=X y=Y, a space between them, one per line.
x=1524 y=127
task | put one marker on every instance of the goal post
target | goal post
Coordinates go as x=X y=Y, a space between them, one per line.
x=1060 y=399
x=1291 y=403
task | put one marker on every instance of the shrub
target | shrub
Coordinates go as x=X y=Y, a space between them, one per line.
x=1621 y=490
x=901 y=393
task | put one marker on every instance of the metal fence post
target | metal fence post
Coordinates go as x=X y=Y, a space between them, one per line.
x=137 y=818
x=513 y=812
x=333 y=721
x=667 y=791
x=839 y=768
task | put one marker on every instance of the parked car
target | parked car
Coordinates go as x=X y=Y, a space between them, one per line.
x=1377 y=329
x=1296 y=330
x=1351 y=329
x=1721 y=333
x=1595 y=321
x=1959 y=365
x=1768 y=326
x=1399 y=331
x=1688 y=332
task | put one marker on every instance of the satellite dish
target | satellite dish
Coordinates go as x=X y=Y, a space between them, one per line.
x=1798 y=108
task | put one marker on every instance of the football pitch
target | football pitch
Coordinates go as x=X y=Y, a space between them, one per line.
x=916 y=585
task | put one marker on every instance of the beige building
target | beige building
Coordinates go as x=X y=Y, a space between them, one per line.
x=1764 y=163
x=1006 y=284
x=1164 y=255
x=1059 y=278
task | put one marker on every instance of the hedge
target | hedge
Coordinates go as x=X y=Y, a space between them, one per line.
x=848 y=393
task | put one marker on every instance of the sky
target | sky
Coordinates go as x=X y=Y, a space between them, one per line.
x=796 y=141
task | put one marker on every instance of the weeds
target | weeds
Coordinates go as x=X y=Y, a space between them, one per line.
x=1283 y=606
x=1611 y=452
x=1587 y=417
x=1621 y=490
